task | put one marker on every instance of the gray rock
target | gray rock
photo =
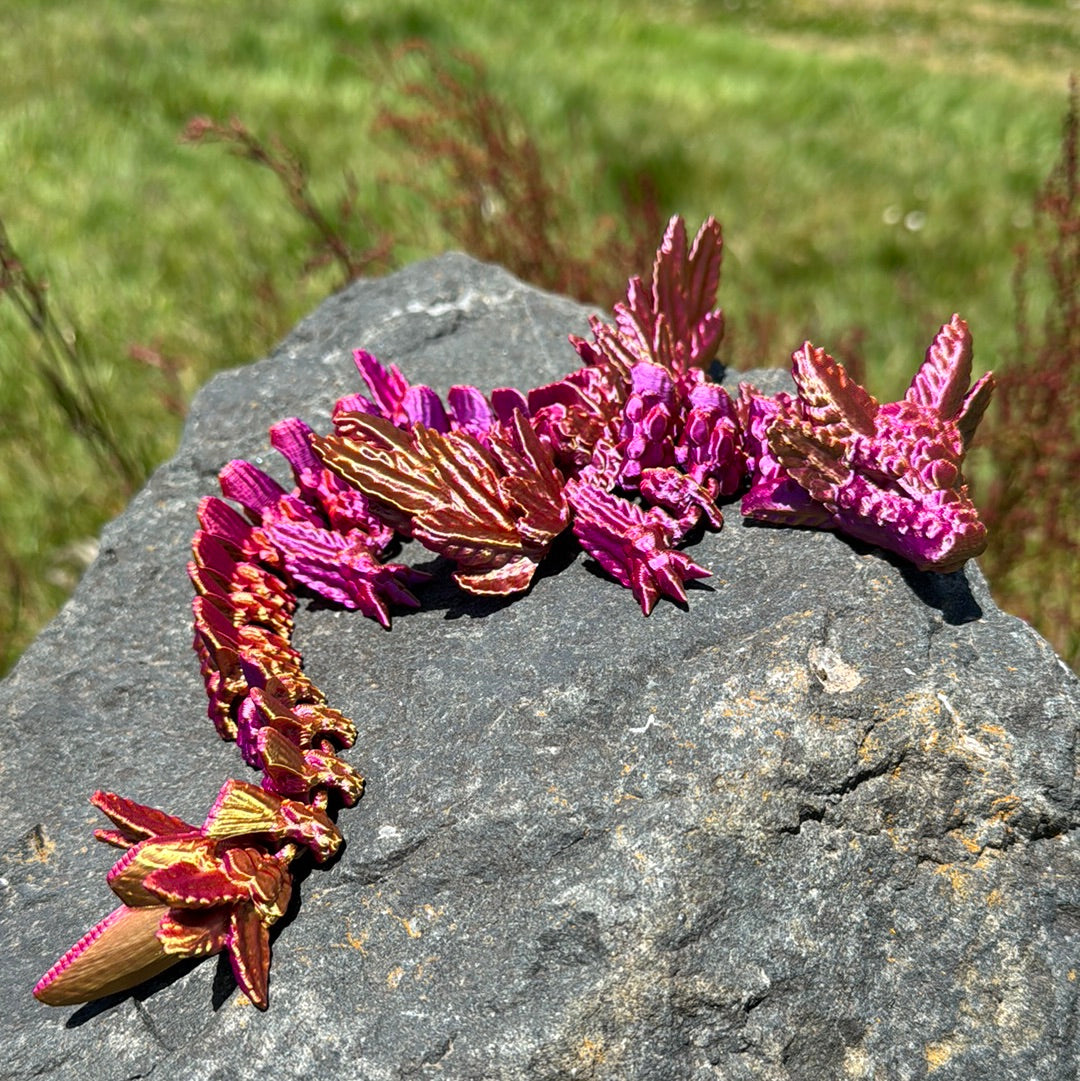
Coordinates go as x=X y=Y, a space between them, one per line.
x=822 y=824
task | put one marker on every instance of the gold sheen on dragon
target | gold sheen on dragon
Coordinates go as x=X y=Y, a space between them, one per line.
x=631 y=451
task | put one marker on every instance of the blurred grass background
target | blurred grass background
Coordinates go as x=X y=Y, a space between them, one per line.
x=874 y=165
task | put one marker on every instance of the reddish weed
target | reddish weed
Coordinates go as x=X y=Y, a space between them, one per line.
x=497 y=194
x=1032 y=501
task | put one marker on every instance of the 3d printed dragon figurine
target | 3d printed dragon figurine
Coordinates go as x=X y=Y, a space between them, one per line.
x=631 y=451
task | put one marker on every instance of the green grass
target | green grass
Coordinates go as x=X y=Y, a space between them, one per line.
x=807 y=128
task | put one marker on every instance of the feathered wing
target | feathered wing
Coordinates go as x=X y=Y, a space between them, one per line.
x=494 y=510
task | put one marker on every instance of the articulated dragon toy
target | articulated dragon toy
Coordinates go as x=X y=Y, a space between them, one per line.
x=632 y=451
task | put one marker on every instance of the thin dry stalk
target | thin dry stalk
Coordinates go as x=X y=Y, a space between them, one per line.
x=330 y=244
x=170 y=369
x=67 y=368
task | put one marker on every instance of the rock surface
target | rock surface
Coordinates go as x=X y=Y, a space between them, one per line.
x=822 y=824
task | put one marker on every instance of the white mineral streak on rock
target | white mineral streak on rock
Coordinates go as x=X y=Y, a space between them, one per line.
x=834 y=674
